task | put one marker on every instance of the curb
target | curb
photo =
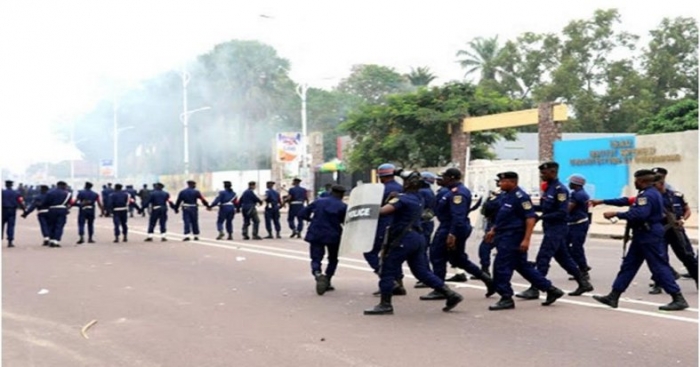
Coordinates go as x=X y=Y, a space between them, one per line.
x=693 y=241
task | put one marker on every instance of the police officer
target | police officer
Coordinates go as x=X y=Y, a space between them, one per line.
x=247 y=205
x=132 y=193
x=489 y=211
x=297 y=198
x=675 y=206
x=42 y=210
x=190 y=215
x=327 y=191
x=157 y=202
x=119 y=202
x=272 y=210
x=645 y=218
x=327 y=216
x=144 y=193
x=385 y=172
x=226 y=200
x=452 y=233
x=407 y=243
x=554 y=205
x=106 y=192
x=86 y=201
x=427 y=223
x=11 y=200
x=578 y=222
x=58 y=200
x=511 y=233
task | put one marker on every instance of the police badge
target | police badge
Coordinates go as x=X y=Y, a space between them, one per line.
x=393 y=200
x=457 y=199
x=561 y=196
x=527 y=205
x=641 y=201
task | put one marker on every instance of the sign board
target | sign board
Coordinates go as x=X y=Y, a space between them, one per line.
x=106 y=168
x=288 y=147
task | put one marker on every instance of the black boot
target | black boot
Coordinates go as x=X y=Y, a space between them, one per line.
x=124 y=240
x=46 y=243
x=330 y=286
x=220 y=236
x=80 y=241
x=90 y=240
x=530 y=293
x=383 y=308
x=256 y=237
x=399 y=289
x=230 y=237
x=488 y=282
x=678 y=303
x=269 y=235
x=505 y=303
x=460 y=277
x=116 y=239
x=294 y=234
x=453 y=298
x=245 y=236
x=321 y=284
x=278 y=235
x=655 y=289
x=148 y=239
x=553 y=294
x=585 y=275
x=420 y=284
x=583 y=286
x=433 y=296
x=10 y=244
x=610 y=300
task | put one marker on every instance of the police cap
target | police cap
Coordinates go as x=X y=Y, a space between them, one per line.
x=338 y=188
x=118 y=186
x=296 y=179
x=61 y=183
x=9 y=182
x=510 y=175
x=577 y=179
x=453 y=173
x=386 y=169
x=44 y=187
x=252 y=183
x=227 y=183
x=88 y=184
x=660 y=170
x=270 y=182
x=644 y=172
x=548 y=165
x=190 y=182
x=158 y=184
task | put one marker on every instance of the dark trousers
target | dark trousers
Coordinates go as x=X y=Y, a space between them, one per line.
x=250 y=215
x=509 y=258
x=485 y=254
x=412 y=250
x=86 y=217
x=44 y=225
x=680 y=244
x=190 y=215
x=225 y=216
x=575 y=240
x=119 y=218
x=56 y=220
x=159 y=216
x=317 y=250
x=458 y=257
x=272 y=217
x=9 y=216
x=295 y=224
x=554 y=246
x=653 y=250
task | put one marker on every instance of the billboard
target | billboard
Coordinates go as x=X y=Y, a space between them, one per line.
x=106 y=168
x=288 y=146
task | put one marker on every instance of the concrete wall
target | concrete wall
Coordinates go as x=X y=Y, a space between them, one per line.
x=678 y=153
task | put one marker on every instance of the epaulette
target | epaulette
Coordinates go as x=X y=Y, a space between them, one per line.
x=518 y=194
x=679 y=194
x=454 y=189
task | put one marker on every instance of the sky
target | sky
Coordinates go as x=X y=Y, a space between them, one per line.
x=60 y=57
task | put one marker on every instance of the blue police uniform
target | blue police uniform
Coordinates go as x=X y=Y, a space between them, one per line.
x=372 y=257
x=39 y=204
x=324 y=194
x=272 y=212
x=579 y=223
x=247 y=205
x=11 y=200
x=106 y=192
x=427 y=221
x=489 y=211
x=158 y=200
x=327 y=216
x=86 y=201
x=675 y=202
x=57 y=201
x=297 y=197
x=190 y=213
x=509 y=227
x=132 y=193
x=119 y=202
x=226 y=200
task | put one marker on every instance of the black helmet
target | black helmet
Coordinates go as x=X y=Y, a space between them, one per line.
x=412 y=179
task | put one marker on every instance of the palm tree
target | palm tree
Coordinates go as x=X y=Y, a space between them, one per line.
x=481 y=55
x=421 y=76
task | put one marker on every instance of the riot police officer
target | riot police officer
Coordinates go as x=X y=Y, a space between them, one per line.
x=157 y=203
x=296 y=199
x=578 y=222
x=58 y=200
x=11 y=200
x=407 y=243
x=427 y=221
x=190 y=214
x=247 y=204
x=272 y=210
x=119 y=202
x=489 y=211
x=226 y=200
x=327 y=216
x=39 y=203
x=86 y=201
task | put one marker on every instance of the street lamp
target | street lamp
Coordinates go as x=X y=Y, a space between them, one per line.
x=184 y=117
x=302 y=88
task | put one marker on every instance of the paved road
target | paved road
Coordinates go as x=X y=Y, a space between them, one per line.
x=252 y=303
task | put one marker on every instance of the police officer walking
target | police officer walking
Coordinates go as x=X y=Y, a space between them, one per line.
x=579 y=222
x=427 y=222
x=226 y=200
x=511 y=233
x=489 y=211
x=11 y=200
x=272 y=210
x=190 y=215
x=144 y=193
x=645 y=219
x=407 y=243
x=42 y=211
x=86 y=201
x=132 y=193
x=106 y=192
x=327 y=216
x=249 y=201
x=327 y=191
x=297 y=197
x=119 y=202
x=157 y=202
x=554 y=205
x=58 y=200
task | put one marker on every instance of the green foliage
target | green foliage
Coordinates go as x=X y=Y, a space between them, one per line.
x=680 y=116
x=411 y=129
x=372 y=83
x=420 y=77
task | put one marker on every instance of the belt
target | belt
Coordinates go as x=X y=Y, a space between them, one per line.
x=41 y=211
x=190 y=205
x=226 y=204
x=583 y=220
x=119 y=209
x=297 y=202
x=57 y=207
x=157 y=207
x=86 y=207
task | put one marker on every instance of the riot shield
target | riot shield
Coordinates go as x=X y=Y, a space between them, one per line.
x=361 y=219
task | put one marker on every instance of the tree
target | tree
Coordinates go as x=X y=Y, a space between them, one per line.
x=420 y=77
x=372 y=83
x=411 y=129
x=680 y=116
x=481 y=56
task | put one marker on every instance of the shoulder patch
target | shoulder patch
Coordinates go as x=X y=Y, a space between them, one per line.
x=641 y=200
x=454 y=189
x=518 y=194
x=527 y=205
x=679 y=194
x=457 y=199
x=393 y=200
x=561 y=196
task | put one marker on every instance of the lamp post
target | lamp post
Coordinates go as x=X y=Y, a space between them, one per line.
x=302 y=88
x=184 y=117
